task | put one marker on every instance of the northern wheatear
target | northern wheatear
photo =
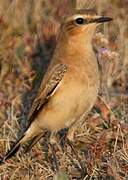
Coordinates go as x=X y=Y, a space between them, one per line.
x=70 y=85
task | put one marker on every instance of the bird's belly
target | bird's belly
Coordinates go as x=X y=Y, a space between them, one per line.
x=67 y=105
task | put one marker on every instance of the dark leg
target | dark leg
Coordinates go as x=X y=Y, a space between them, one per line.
x=54 y=157
x=52 y=143
x=63 y=136
x=82 y=168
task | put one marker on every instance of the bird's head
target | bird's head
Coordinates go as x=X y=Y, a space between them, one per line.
x=82 y=22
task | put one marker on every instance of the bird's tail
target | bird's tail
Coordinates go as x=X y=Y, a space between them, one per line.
x=30 y=134
x=15 y=147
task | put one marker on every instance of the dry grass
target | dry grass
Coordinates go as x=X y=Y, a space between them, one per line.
x=27 y=39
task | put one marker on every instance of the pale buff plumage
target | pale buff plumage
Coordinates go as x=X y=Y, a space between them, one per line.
x=70 y=86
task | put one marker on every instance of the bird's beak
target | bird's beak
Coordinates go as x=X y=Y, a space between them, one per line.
x=102 y=19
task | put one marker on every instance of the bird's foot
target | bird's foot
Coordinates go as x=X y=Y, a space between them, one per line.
x=81 y=166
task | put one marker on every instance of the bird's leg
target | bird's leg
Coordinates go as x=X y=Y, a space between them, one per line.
x=45 y=144
x=82 y=168
x=63 y=135
x=52 y=142
x=70 y=139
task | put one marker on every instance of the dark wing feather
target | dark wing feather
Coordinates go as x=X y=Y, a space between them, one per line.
x=48 y=85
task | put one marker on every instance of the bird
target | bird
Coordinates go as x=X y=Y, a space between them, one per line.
x=71 y=83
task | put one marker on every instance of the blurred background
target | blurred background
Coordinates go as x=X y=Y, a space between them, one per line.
x=28 y=31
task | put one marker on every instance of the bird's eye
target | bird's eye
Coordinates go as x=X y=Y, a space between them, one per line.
x=79 y=21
